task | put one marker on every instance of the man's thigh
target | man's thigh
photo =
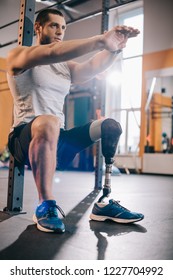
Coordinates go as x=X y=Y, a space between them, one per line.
x=19 y=141
x=71 y=142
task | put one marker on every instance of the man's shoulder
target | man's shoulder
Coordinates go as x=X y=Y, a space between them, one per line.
x=12 y=57
x=16 y=50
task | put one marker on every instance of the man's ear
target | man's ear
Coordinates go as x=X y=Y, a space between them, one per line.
x=37 y=28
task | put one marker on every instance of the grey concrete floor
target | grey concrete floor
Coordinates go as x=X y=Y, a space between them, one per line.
x=150 y=239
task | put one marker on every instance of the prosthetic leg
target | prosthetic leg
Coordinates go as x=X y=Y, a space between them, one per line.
x=102 y=211
x=110 y=134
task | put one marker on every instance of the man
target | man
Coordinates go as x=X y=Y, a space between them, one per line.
x=39 y=77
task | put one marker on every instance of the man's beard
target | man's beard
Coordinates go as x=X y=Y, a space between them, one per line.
x=45 y=40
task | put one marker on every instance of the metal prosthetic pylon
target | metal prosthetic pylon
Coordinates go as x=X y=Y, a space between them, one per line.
x=107 y=182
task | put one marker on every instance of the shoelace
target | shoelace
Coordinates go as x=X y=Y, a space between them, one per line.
x=118 y=202
x=52 y=212
x=60 y=210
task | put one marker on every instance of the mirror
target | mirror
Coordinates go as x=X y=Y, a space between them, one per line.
x=159 y=110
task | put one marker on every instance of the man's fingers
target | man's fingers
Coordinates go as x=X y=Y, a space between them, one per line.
x=127 y=31
x=133 y=33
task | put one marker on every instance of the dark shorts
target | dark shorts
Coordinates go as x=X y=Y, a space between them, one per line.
x=70 y=143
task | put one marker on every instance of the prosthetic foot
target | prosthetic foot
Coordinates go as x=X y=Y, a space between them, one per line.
x=110 y=134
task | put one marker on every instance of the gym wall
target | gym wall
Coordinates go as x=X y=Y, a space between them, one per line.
x=158 y=47
x=6 y=106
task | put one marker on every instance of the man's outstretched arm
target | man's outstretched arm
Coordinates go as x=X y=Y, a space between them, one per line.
x=116 y=41
x=22 y=58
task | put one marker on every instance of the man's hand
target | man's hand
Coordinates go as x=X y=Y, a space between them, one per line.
x=117 y=37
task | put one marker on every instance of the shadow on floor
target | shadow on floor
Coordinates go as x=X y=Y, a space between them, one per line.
x=7 y=215
x=111 y=229
x=36 y=245
x=4 y=216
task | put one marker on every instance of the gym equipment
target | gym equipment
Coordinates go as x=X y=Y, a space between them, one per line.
x=16 y=170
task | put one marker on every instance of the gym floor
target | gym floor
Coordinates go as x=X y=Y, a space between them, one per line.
x=150 y=239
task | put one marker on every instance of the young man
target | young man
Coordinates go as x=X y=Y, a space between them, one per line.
x=39 y=78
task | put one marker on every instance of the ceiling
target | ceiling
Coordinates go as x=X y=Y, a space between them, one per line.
x=75 y=9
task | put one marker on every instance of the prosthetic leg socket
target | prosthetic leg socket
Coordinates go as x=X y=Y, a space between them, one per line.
x=111 y=131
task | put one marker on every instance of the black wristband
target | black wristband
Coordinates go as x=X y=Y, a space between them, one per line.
x=116 y=52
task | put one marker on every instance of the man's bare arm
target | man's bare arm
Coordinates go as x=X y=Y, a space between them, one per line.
x=82 y=72
x=22 y=58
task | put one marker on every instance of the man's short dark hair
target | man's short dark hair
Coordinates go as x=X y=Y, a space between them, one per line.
x=43 y=16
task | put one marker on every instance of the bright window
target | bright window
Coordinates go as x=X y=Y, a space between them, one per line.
x=131 y=87
x=135 y=45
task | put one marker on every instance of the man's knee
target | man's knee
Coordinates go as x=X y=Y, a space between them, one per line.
x=46 y=127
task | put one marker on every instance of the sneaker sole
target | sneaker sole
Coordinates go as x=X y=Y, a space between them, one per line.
x=121 y=221
x=39 y=227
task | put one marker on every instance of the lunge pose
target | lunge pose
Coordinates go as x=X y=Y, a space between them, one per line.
x=39 y=78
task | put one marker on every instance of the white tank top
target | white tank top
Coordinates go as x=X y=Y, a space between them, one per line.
x=40 y=91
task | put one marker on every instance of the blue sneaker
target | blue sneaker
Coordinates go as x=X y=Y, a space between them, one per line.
x=46 y=217
x=115 y=212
